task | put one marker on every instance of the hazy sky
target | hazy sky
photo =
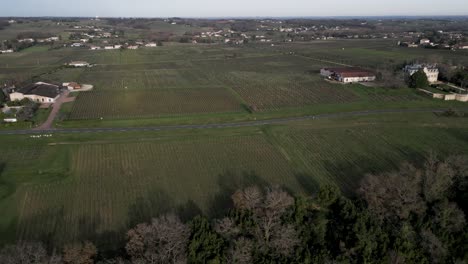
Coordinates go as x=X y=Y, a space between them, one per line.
x=219 y=8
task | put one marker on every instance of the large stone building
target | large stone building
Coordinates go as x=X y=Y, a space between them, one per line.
x=38 y=92
x=348 y=74
x=431 y=71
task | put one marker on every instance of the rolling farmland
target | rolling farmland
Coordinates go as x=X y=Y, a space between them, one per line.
x=144 y=103
x=95 y=186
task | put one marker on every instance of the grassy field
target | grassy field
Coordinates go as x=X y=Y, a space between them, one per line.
x=96 y=185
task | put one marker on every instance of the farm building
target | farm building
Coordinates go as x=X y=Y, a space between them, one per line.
x=79 y=64
x=348 y=74
x=72 y=86
x=431 y=71
x=39 y=92
x=151 y=45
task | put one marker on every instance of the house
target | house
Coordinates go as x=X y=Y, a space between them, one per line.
x=151 y=45
x=431 y=71
x=79 y=64
x=38 y=92
x=348 y=74
x=76 y=45
x=134 y=47
x=7 y=51
x=71 y=86
x=95 y=48
x=109 y=47
x=424 y=41
x=26 y=40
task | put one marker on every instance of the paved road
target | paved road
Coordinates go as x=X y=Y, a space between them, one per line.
x=221 y=125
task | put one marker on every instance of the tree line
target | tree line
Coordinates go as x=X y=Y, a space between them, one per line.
x=411 y=215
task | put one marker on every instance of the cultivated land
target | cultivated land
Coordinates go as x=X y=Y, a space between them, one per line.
x=95 y=186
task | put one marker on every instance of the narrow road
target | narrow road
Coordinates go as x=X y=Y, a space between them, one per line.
x=47 y=125
x=221 y=125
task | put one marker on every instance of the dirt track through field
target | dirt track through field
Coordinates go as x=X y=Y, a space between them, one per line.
x=47 y=125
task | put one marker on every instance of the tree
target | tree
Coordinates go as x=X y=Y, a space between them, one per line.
x=395 y=194
x=80 y=253
x=418 y=80
x=241 y=252
x=437 y=179
x=206 y=246
x=433 y=246
x=449 y=217
x=165 y=240
x=24 y=253
x=272 y=235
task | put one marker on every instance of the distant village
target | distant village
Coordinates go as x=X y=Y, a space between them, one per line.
x=239 y=32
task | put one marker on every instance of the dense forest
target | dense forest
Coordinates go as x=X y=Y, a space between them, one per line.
x=413 y=215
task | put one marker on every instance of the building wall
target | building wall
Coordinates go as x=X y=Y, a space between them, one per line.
x=32 y=97
x=16 y=96
x=41 y=99
x=356 y=79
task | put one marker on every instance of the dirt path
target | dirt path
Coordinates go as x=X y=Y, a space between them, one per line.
x=47 y=125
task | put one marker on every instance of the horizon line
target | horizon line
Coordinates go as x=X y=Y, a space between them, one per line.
x=247 y=17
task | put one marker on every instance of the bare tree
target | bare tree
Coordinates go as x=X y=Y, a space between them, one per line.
x=433 y=246
x=394 y=194
x=24 y=253
x=80 y=253
x=267 y=211
x=437 y=179
x=449 y=217
x=163 y=241
x=250 y=198
x=226 y=227
x=241 y=251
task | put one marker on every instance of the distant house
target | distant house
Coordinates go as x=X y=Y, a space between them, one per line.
x=38 y=92
x=79 y=64
x=151 y=45
x=26 y=40
x=348 y=74
x=133 y=47
x=424 y=41
x=94 y=48
x=76 y=45
x=431 y=71
x=7 y=51
x=113 y=47
x=72 y=86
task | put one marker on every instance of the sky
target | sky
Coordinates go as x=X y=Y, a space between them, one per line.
x=232 y=8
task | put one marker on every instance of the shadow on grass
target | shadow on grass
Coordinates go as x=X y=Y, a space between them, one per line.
x=307 y=183
x=228 y=183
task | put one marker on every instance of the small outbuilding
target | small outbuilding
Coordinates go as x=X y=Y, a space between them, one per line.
x=348 y=74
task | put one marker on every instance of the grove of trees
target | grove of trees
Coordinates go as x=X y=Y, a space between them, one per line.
x=411 y=215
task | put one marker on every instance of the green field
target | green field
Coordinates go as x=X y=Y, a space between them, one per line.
x=94 y=186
